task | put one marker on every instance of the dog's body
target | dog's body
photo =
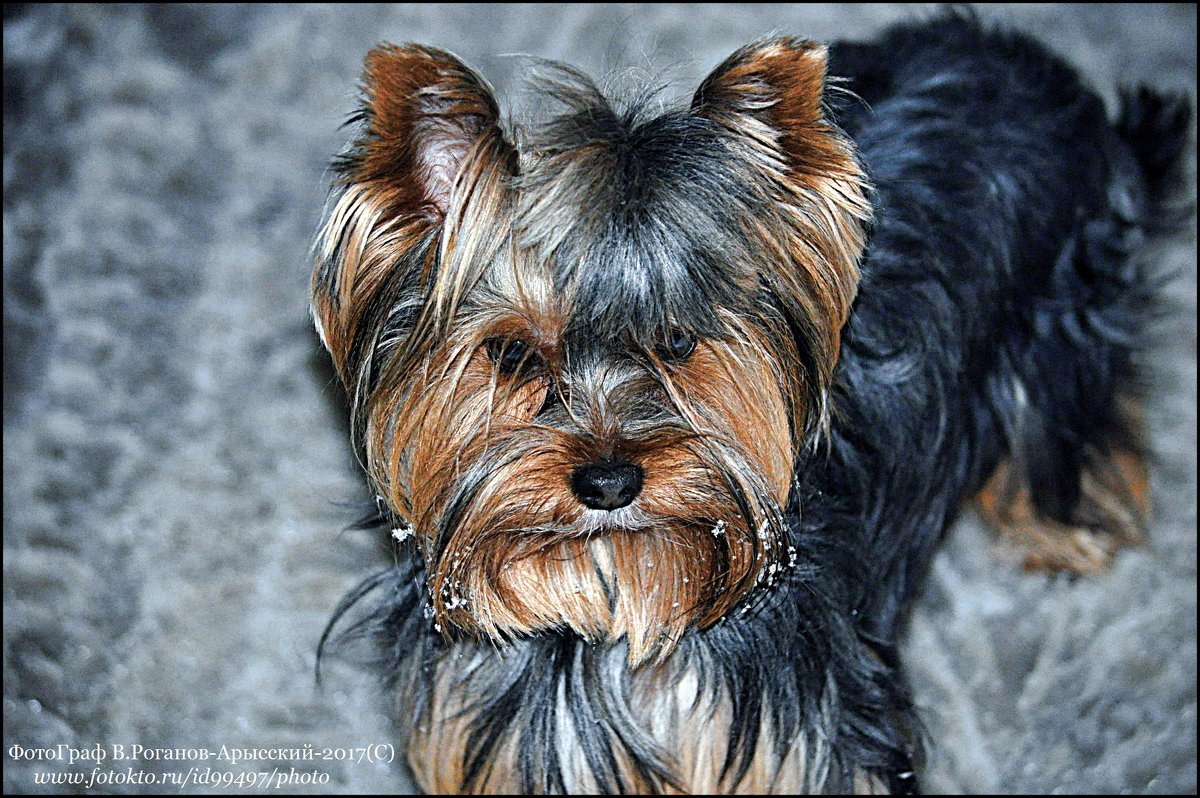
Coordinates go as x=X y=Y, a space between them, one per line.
x=677 y=407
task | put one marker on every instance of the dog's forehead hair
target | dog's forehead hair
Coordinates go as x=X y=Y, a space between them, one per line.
x=640 y=223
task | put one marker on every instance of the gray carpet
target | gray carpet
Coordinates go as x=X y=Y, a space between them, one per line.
x=175 y=448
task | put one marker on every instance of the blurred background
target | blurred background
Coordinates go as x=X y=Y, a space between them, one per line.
x=176 y=452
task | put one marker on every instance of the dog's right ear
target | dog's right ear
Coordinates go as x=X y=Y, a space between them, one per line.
x=425 y=117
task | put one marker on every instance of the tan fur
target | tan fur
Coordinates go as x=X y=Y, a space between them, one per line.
x=1112 y=513
x=770 y=94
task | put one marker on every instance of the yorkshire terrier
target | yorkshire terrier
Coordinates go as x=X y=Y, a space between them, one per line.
x=669 y=408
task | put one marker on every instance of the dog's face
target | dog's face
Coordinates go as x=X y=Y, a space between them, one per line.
x=583 y=367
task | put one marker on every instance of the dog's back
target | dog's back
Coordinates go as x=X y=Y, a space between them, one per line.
x=1005 y=268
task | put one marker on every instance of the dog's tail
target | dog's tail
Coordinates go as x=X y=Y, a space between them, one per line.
x=1155 y=128
x=1075 y=488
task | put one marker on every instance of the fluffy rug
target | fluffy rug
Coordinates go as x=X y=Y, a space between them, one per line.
x=176 y=449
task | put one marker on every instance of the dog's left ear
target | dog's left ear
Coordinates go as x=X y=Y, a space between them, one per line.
x=770 y=91
x=768 y=96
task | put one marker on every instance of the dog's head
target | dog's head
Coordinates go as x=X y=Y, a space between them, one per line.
x=583 y=358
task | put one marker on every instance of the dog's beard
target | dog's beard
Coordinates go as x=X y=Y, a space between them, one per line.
x=515 y=553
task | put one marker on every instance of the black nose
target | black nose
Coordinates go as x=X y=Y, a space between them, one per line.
x=607 y=485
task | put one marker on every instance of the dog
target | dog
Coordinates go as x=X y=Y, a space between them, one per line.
x=668 y=408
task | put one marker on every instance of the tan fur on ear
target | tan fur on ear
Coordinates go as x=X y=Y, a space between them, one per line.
x=778 y=83
x=424 y=110
x=768 y=96
x=426 y=117
x=786 y=75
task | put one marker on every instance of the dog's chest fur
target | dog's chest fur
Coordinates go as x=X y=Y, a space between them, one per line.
x=686 y=723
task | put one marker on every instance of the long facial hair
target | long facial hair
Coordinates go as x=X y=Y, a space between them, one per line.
x=736 y=222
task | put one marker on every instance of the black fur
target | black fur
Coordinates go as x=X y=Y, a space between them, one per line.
x=1000 y=309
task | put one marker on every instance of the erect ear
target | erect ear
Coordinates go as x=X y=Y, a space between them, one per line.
x=424 y=109
x=771 y=91
x=768 y=97
x=426 y=118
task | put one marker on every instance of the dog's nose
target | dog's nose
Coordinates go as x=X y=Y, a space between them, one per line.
x=607 y=485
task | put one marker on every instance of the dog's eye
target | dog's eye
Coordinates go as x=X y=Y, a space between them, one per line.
x=509 y=354
x=678 y=346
